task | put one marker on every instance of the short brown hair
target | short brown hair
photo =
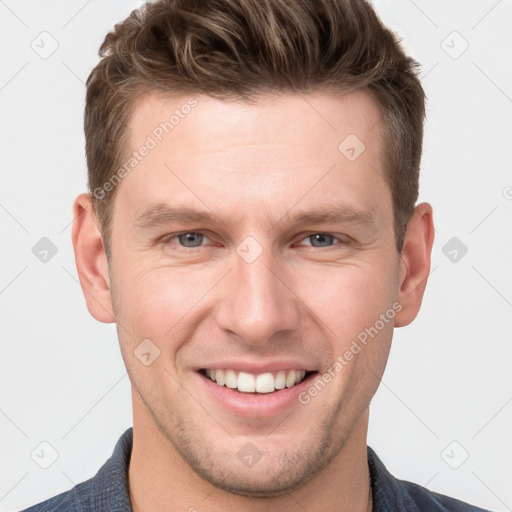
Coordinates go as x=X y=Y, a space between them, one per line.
x=242 y=48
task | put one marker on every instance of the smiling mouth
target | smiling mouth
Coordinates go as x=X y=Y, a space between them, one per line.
x=268 y=382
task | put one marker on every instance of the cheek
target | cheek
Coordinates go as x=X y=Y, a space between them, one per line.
x=348 y=299
x=356 y=305
x=153 y=302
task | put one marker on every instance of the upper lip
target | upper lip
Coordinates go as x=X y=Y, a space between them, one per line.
x=256 y=367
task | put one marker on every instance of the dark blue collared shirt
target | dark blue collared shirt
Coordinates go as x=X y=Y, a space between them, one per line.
x=108 y=490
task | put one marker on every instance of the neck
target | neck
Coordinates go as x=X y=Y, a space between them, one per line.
x=160 y=480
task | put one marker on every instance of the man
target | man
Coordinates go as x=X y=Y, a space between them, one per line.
x=252 y=229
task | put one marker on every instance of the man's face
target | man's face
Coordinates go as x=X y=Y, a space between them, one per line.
x=255 y=290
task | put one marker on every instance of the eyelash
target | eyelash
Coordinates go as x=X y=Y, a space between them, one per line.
x=168 y=239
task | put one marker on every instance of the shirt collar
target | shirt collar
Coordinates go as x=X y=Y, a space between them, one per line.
x=387 y=493
x=111 y=482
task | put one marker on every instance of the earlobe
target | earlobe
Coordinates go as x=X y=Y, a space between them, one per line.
x=415 y=263
x=91 y=260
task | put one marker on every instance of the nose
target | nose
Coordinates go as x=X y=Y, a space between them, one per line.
x=257 y=304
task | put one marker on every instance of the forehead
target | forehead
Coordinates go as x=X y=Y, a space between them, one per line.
x=319 y=120
x=279 y=149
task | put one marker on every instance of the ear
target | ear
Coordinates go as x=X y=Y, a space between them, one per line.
x=415 y=263
x=91 y=260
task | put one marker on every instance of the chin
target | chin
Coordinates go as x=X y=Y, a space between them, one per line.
x=265 y=482
x=278 y=471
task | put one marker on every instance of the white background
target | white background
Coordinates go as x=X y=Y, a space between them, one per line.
x=448 y=378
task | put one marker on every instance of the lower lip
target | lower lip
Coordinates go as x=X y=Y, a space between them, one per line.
x=255 y=405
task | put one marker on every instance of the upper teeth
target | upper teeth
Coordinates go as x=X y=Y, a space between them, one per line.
x=261 y=383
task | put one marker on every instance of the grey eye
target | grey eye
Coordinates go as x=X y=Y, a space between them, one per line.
x=321 y=240
x=190 y=239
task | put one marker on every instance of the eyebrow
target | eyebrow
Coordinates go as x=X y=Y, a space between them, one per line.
x=326 y=215
x=162 y=215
